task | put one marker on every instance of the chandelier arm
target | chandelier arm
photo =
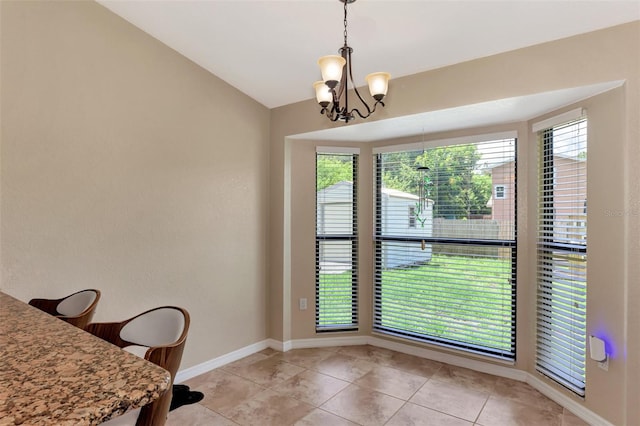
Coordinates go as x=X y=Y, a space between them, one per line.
x=336 y=97
x=357 y=111
x=355 y=89
x=370 y=111
x=332 y=114
x=348 y=51
x=345 y=52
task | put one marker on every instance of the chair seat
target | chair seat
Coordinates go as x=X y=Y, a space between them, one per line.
x=138 y=350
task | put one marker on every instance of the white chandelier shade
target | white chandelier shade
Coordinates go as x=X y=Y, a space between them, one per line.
x=378 y=84
x=331 y=67
x=323 y=93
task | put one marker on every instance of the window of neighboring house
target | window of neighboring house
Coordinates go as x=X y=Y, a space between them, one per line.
x=412 y=216
x=336 y=239
x=562 y=254
x=450 y=280
x=500 y=192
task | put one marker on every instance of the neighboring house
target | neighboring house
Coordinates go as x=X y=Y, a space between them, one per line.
x=335 y=210
x=570 y=210
x=502 y=200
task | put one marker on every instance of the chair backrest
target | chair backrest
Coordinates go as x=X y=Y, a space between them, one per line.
x=162 y=334
x=76 y=309
x=76 y=303
x=158 y=327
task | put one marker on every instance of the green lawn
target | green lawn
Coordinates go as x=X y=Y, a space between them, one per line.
x=335 y=300
x=466 y=299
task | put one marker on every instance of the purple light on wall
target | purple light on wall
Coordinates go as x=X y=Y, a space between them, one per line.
x=609 y=344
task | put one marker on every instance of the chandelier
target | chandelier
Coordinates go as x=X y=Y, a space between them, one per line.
x=332 y=92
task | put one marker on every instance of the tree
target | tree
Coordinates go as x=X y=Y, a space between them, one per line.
x=331 y=169
x=454 y=182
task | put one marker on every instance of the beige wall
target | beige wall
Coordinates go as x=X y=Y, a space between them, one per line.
x=127 y=168
x=614 y=209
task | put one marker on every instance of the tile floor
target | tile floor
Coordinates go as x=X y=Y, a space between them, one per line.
x=361 y=385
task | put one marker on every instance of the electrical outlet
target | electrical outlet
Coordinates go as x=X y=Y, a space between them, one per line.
x=303 y=303
x=604 y=364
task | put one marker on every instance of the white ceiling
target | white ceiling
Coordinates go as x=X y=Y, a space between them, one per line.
x=268 y=48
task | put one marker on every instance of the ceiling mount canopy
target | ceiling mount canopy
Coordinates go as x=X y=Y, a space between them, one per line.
x=332 y=91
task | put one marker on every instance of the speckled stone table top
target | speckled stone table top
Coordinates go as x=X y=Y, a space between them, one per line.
x=52 y=373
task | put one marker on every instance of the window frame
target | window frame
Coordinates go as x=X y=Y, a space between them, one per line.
x=548 y=248
x=379 y=239
x=352 y=237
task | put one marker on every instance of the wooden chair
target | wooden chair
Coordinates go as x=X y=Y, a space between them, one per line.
x=77 y=308
x=157 y=335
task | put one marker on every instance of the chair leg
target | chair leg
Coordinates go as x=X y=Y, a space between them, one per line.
x=155 y=414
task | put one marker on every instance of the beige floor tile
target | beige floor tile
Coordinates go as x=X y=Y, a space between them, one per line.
x=570 y=419
x=320 y=417
x=415 y=415
x=241 y=363
x=274 y=388
x=311 y=387
x=504 y=412
x=331 y=348
x=363 y=406
x=270 y=408
x=524 y=394
x=202 y=379
x=196 y=415
x=269 y=352
x=367 y=352
x=413 y=364
x=306 y=358
x=223 y=391
x=471 y=379
x=451 y=398
x=269 y=372
x=391 y=381
x=344 y=367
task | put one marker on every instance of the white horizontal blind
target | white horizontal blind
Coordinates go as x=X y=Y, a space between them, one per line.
x=336 y=241
x=562 y=254
x=445 y=246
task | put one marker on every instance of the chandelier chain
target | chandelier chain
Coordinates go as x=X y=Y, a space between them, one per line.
x=345 y=23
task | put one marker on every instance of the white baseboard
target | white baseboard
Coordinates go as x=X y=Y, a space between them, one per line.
x=278 y=345
x=324 y=342
x=568 y=403
x=477 y=365
x=212 y=364
x=458 y=361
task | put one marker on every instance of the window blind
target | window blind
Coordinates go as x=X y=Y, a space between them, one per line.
x=562 y=254
x=445 y=245
x=336 y=241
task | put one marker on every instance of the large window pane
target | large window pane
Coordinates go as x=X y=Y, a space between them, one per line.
x=445 y=246
x=562 y=255
x=336 y=242
x=462 y=296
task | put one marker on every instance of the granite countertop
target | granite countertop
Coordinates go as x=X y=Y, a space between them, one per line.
x=52 y=373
